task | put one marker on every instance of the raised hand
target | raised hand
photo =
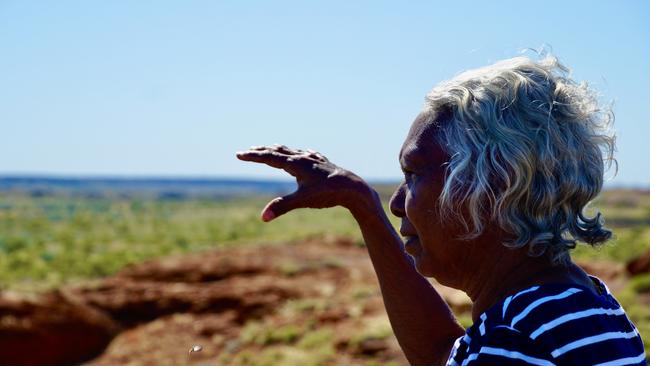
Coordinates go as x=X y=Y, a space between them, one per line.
x=321 y=183
x=408 y=296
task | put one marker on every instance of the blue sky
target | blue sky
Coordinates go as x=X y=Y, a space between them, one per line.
x=176 y=87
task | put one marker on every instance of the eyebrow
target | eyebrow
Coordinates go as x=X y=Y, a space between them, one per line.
x=406 y=159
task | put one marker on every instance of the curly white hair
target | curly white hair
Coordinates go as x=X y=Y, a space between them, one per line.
x=528 y=151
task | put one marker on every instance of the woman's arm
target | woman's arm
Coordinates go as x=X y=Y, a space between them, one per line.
x=423 y=323
x=421 y=320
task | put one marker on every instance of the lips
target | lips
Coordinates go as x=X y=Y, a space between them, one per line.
x=411 y=240
x=407 y=230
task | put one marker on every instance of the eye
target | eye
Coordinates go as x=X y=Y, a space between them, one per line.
x=408 y=175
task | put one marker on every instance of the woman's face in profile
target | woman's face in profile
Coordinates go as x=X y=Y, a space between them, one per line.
x=415 y=201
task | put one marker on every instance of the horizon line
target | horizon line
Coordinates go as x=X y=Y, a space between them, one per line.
x=181 y=177
x=231 y=178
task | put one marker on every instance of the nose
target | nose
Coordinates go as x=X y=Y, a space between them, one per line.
x=396 y=203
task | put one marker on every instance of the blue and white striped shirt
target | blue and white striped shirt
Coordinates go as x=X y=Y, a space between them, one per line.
x=552 y=325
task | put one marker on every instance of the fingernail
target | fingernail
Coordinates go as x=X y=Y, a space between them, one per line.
x=268 y=215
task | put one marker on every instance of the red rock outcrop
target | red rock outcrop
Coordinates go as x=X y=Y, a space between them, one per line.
x=51 y=329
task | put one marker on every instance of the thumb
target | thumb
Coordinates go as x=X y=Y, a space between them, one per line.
x=281 y=205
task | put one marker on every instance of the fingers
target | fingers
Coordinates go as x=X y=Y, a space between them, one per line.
x=317 y=156
x=271 y=158
x=282 y=149
x=282 y=205
x=293 y=161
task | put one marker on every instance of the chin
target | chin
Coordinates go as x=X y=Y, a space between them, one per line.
x=432 y=270
x=424 y=267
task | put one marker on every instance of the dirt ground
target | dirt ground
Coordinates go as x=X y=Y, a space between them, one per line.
x=251 y=306
x=315 y=302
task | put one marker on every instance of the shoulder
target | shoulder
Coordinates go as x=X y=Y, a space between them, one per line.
x=552 y=325
x=498 y=346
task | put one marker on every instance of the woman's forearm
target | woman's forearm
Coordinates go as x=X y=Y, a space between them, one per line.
x=421 y=320
x=423 y=323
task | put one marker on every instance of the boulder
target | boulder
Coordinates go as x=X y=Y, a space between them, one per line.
x=51 y=329
x=639 y=265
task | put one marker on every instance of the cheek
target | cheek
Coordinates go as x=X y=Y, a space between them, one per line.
x=422 y=208
x=416 y=214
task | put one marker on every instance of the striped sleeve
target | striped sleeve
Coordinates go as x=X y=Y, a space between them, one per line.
x=580 y=329
x=508 y=347
x=552 y=325
x=576 y=327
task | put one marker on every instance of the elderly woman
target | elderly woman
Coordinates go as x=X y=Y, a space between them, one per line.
x=498 y=168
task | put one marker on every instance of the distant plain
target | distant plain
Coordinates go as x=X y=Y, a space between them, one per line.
x=61 y=232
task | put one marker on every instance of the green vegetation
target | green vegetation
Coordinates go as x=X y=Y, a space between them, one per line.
x=316 y=339
x=47 y=241
x=286 y=345
x=281 y=355
x=627 y=214
x=374 y=329
x=262 y=335
x=51 y=240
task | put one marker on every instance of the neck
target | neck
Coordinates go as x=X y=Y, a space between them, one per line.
x=508 y=271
